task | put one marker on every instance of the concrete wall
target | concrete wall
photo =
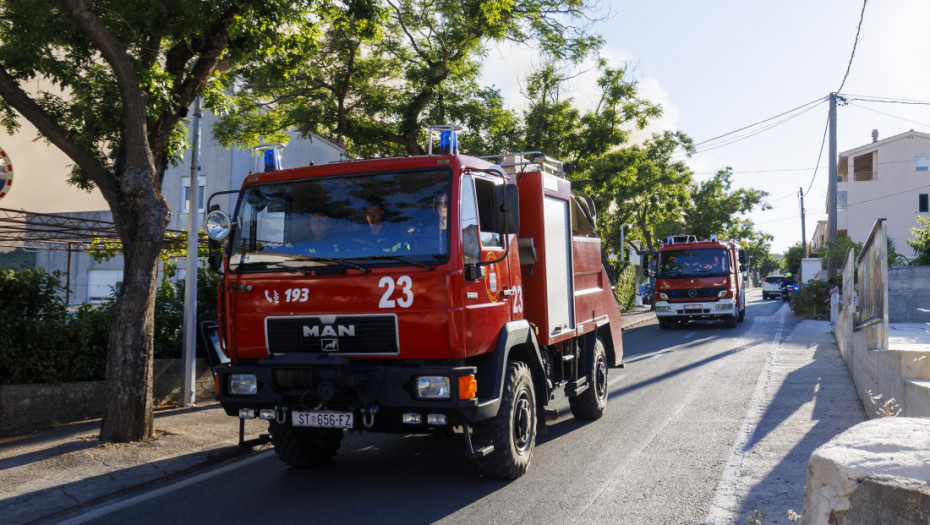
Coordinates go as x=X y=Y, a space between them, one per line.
x=909 y=294
x=25 y=408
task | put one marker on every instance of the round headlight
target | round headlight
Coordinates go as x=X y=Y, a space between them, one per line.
x=217 y=225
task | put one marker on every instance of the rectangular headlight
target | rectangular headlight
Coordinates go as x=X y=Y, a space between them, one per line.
x=433 y=387
x=243 y=384
x=663 y=308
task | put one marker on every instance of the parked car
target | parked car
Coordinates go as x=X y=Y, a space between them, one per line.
x=771 y=286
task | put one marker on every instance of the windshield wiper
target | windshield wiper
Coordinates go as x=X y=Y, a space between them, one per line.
x=285 y=267
x=398 y=258
x=341 y=262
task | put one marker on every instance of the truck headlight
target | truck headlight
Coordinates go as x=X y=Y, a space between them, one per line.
x=243 y=384
x=722 y=293
x=663 y=295
x=433 y=387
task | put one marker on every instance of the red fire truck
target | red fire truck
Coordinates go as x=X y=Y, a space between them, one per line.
x=439 y=293
x=700 y=280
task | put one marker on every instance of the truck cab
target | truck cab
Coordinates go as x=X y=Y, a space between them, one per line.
x=442 y=293
x=700 y=280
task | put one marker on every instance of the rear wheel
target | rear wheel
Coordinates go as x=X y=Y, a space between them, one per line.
x=304 y=447
x=592 y=403
x=513 y=430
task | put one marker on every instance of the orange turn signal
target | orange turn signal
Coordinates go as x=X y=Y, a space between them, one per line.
x=468 y=386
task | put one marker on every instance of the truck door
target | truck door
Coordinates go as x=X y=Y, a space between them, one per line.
x=487 y=308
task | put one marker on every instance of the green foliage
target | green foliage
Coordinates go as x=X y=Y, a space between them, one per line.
x=792 y=261
x=714 y=208
x=45 y=343
x=835 y=253
x=18 y=259
x=379 y=73
x=921 y=241
x=625 y=287
x=812 y=300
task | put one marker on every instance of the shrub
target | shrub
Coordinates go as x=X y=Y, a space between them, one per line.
x=625 y=287
x=812 y=300
x=42 y=342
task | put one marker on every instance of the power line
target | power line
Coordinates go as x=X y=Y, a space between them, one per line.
x=761 y=122
x=819 y=155
x=855 y=44
x=889 y=195
x=756 y=132
x=890 y=115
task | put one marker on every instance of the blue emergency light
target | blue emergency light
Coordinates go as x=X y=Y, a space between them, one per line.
x=448 y=143
x=272 y=159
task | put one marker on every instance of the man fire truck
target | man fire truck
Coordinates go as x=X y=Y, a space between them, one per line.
x=435 y=293
x=700 y=280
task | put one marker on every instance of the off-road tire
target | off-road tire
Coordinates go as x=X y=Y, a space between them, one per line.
x=742 y=315
x=665 y=323
x=304 y=447
x=513 y=430
x=592 y=403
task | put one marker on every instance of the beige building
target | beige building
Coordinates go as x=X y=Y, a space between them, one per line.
x=887 y=178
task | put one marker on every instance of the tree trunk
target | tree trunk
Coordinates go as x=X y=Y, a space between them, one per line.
x=130 y=352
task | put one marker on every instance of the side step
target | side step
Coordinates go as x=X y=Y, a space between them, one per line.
x=471 y=451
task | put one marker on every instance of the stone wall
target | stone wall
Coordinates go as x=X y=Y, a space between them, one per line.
x=26 y=408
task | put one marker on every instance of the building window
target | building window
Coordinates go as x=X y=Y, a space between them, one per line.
x=841 y=200
x=186 y=193
x=863 y=168
x=922 y=163
x=923 y=205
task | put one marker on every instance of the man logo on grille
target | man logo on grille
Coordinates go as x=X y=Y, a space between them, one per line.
x=330 y=345
x=339 y=330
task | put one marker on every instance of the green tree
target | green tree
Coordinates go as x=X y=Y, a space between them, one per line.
x=714 y=207
x=835 y=253
x=122 y=75
x=640 y=185
x=792 y=262
x=921 y=241
x=383 y=71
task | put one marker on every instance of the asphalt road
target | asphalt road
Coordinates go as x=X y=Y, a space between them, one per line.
x=663 y=453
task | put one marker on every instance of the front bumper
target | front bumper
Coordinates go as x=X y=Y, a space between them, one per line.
x=696 y=309
x=307 y=382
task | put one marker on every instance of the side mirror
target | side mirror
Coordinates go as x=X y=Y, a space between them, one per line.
x=742 y=256
x=506 y=216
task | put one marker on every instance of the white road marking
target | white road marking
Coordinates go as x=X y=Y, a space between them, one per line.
x=724 y=507
x=690 y=334
x=128 y=502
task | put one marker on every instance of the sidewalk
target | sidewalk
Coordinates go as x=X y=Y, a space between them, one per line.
x=53 y=472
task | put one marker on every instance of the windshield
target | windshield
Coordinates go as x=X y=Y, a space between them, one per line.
x=379 y=219
x=694 y=263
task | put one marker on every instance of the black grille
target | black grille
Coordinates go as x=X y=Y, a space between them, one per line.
x=699 y=293
x=376 y=334
x=292 y=378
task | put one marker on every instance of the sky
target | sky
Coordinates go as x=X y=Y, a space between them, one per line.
x=715 y=66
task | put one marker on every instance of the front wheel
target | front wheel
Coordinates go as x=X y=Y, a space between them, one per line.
x=304 y=447
x=665 y=323
x=513 y=430
x=592 y=403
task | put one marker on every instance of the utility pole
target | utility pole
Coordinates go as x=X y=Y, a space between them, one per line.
x=190 y=284
x=831 y=186
x=803 y=234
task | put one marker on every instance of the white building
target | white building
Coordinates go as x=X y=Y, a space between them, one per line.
x=220 y=169
x=887 y=178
